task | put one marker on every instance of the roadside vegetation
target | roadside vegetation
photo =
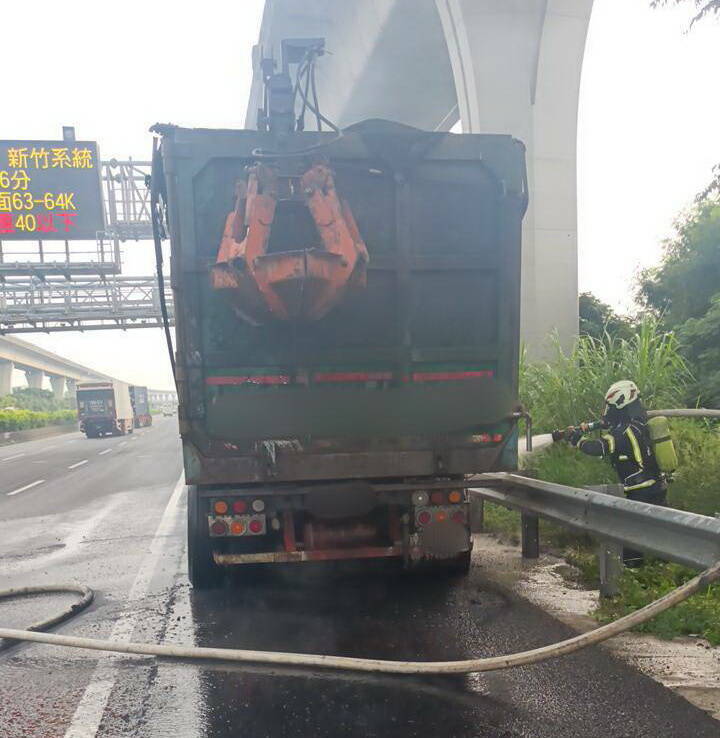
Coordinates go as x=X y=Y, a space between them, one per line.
x=569 y=389
x=32 y=408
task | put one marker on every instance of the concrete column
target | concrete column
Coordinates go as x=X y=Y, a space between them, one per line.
x=6 y=373
x=34 y=378
x=517 y=66
x=58 y=387
x=71 y=385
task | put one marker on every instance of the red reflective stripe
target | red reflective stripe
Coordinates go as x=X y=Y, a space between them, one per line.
x=274 y=379
x=443 y=376
x=352 y=376
x=260 y=379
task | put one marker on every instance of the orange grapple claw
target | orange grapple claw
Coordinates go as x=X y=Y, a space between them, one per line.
x=302 y=285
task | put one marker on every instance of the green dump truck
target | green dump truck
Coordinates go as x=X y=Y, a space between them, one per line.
x=347 y=321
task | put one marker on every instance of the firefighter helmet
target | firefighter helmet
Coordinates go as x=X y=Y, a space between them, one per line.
x=622 y=393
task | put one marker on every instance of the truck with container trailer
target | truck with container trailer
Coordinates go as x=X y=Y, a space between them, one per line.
x=141 y=407
x=347 y=322
x=104 y=408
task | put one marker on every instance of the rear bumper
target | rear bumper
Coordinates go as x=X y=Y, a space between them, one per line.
x=279 y=557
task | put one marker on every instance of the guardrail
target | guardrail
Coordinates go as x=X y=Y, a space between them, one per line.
x=674 y=535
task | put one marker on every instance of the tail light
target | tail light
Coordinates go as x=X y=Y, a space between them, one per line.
x=237 y=527
x=258 y=506
x=440 y=516
x=458 y=516
x=437 y=498
x=219 y=528
x=423 y=517
x=420 y=498
x=497 y=438
x=239 y=507
x=256 y=525
x=455 y=496
x=220 y=507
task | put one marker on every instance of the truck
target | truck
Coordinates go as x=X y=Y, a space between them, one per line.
x=347 y=323
x=105 y=408
x=140 y=406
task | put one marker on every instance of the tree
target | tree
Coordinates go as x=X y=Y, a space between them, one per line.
x=700 y=339
x=682 y=286
x=704 y=7
x=598 y=318
x=684 y=292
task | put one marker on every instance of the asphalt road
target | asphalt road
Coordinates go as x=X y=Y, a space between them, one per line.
x=110 y=513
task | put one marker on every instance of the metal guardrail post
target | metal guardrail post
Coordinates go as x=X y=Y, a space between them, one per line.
x=609 y=553
x=477 y=514
x=530 y=528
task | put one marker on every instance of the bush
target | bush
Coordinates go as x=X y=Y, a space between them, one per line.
x=695 y=487
x=699 y=615
x=14 y=420
x=38 y=400
x=570 y=389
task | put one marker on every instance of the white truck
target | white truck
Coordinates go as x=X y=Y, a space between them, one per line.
x=105 y=408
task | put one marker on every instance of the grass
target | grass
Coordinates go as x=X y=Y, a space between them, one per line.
x=571 y=387
x=697 y=616
x=569 y=390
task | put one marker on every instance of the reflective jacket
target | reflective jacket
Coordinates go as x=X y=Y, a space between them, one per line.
x=627 y=446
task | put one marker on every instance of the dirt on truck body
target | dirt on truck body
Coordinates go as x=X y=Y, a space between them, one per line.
x=347 y=325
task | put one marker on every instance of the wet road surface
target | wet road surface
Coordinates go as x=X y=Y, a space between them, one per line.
x=116 y=523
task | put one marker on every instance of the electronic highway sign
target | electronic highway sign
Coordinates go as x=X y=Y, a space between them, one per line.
x=50 y=190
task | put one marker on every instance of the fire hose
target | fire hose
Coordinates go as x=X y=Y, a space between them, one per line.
x=35 y=633
x=344 y=663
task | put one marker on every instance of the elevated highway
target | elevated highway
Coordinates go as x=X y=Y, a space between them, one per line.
x=497 y=66
x=36 y=363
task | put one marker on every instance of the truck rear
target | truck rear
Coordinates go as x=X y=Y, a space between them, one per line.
x=104 y=408
x=141 y=407
x=347 y=322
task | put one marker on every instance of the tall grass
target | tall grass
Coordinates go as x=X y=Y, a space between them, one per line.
x=570 y=387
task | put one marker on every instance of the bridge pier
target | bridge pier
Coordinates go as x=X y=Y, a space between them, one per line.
x=500 y=66
x=34 y=378
x=58 y=387
x=517 y=66
x=6 y=372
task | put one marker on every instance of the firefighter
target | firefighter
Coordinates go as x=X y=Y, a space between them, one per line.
x=626 y=443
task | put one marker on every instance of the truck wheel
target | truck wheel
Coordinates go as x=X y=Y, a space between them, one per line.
x=461 y=565
x=203 y=572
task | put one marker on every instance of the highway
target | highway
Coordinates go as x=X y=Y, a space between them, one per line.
x=110 y=513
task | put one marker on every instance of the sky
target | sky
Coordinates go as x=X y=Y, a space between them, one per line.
x=648 y=122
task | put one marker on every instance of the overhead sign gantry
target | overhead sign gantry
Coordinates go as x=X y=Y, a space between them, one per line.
x=50 y=190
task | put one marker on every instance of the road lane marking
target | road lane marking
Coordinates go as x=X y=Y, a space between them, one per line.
x=10 y=458
x=89 y=713
x=122 y=443
x=27 y=486
x=79 y=463
x=106 y=451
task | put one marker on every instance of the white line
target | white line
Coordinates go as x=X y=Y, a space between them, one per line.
x=79 y=463
x=106 y=451
x=89 y=713
x=10 y=458
x=122 y=443
x=27 y=486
